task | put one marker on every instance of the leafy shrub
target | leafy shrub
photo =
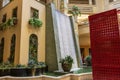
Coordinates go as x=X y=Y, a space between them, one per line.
x=67 y=59
x=88 y=60
x=75 y=11
x=41 y=64
x=20 y=66
x=12 y=21
x=35 y=22
x=32 y=64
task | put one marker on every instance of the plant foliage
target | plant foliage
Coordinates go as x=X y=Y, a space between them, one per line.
x=75 y=11
x=35 y=22
x=3 y=26
x=19 y=66
x=88 y=60
x=5 y=65
x=67 y=60
x=7 y=24
x=12 y=21
x=41 y=64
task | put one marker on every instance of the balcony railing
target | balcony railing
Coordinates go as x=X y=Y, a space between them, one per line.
x=79 y=1
x=82 y=2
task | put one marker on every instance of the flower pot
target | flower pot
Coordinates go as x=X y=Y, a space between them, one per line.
x=33 y=71
x=66 y=67
x=14 y=21
x=4 y=72
x=43 y=70
x=29 y=71
x=18 y=72
x=38 y=71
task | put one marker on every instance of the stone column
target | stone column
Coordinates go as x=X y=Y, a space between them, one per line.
x=100 y=5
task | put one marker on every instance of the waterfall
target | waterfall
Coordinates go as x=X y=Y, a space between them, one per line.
x=65 y=37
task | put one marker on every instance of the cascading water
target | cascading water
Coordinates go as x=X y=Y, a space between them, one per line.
x=61 y=39
x=65 y=37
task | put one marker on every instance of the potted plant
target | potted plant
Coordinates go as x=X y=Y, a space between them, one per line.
x=19 y=70
x=75 y=11
x=12 y=21
x=67 y=63
x=88 y=60
x=40 y=69
x=35 y=22
x=5 y=69
x=31 y=68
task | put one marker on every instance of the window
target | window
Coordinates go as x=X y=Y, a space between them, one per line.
x=12 y=49
x=34 y=13
x=14 y=12
x=33 y=47
x=1 y=50
x=5 y=2
x=4 y=18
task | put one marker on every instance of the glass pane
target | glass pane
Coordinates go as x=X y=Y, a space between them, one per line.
x=14 y=13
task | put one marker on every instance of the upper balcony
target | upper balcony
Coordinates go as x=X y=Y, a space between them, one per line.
x=82 y=2
x=85 y=6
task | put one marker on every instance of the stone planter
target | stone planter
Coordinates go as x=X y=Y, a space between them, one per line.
x=66 y=67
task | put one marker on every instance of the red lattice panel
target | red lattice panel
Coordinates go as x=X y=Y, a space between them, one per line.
x=105 y=45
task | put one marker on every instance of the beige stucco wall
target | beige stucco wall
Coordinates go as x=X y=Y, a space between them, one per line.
x=23 y=30
x=27 y=30
x=7 y=34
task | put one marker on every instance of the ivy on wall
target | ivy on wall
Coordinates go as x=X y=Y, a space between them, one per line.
x=10 y=23
x=33 y=47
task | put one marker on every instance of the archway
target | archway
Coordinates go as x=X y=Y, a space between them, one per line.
x=33 y=47
x=1 y=50
x=12 y=49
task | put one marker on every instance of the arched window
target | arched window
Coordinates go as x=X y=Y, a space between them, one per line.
x=12 y=49
x=33 y=47
x=1 y=50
